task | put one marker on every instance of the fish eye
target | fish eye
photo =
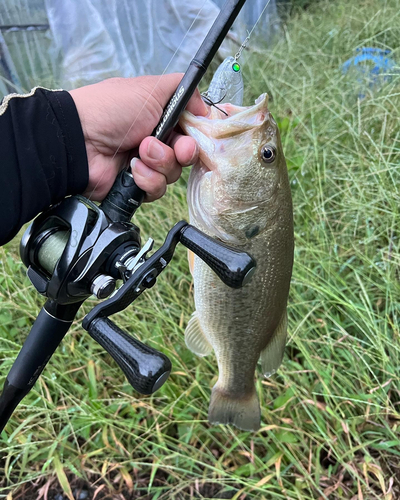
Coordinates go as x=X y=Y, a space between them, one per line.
x=268 y=153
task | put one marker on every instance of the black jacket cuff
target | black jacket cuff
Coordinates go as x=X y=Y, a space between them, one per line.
x=42 y=156
x=67 y=116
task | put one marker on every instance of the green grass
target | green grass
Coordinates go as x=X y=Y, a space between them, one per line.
x=330 y=418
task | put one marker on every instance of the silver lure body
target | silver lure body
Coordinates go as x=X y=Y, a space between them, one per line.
x=227 y=84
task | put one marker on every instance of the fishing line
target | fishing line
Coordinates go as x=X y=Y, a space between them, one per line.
x=246 y=40
x=249 y=33
x=149 y=96
x=211 y=103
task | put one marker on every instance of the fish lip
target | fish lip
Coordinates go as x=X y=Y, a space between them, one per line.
x=260 y=103
x=204 y=167
x=239 y=113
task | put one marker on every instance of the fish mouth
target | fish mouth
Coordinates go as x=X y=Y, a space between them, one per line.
x=242 y=117
x=203 y=213
x=242 y=114
x=223 y=122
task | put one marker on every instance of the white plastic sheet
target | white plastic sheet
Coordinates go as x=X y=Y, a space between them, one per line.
x=9 y=81
x=100 y=39
x=90 y=40
x=87 y=50
x=25 y=58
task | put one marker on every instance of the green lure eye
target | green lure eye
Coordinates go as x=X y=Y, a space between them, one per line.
x=236 y=67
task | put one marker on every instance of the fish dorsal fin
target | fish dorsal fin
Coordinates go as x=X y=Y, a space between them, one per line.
x=191 y=261
x=195 y=338
x=271 y=356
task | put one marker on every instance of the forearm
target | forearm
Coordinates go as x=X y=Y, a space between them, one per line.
x=43 y=156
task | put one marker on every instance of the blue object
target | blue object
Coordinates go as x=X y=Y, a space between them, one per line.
x=372 y=65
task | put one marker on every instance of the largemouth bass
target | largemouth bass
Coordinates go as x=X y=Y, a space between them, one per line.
x=239 y=193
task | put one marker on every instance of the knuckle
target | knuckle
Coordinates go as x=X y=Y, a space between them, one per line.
x=157 y=184
x=160 y=191
x=174 y=175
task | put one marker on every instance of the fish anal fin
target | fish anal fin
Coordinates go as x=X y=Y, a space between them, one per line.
x=272 y=355
x=243 y=412
x=195 y=339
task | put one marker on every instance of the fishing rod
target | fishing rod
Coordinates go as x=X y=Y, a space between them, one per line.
x=77 y=249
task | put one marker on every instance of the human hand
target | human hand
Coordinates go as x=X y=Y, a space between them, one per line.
x=118 y=115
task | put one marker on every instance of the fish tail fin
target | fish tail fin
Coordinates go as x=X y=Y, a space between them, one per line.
x=243 y=412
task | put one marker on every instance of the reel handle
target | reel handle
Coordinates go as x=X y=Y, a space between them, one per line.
x=233 y=267
x=145 y=368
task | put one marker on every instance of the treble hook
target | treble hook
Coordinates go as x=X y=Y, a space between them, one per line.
x=205 y=97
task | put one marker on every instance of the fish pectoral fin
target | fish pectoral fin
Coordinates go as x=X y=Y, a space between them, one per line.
x=271 y=356
x=191 y=261
x=195 y=339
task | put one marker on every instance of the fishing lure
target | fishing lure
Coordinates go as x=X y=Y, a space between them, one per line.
x=227 y=82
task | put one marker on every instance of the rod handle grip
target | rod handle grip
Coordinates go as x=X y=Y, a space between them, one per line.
x=123 y=199
x=145 y=368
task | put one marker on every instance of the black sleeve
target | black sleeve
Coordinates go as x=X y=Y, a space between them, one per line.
x=42 y=156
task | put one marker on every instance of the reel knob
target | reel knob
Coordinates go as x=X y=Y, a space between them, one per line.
x=145 y=368
x=234 y=267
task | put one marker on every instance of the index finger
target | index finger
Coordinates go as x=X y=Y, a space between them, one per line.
x=196 y=105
